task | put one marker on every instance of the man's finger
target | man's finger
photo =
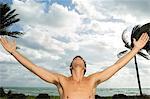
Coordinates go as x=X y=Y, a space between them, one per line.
x=2 y=40
x=5 y=40
x=146 y=36
x=143 y=36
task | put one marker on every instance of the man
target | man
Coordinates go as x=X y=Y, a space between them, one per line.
x=76 y=86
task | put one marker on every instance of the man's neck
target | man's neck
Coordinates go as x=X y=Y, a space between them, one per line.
x=77 y=75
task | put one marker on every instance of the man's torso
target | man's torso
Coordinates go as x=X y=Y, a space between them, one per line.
x=70 y=89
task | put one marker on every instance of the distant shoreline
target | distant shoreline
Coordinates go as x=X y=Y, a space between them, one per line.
x=105 y=92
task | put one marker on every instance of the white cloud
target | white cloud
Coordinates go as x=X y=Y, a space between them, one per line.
x=44 y=26
x=53 y=38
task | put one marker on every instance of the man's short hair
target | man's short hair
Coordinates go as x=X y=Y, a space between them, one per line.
x=83 y=61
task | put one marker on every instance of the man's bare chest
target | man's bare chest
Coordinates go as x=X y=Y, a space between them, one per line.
x=76 y=90
x=77 y=86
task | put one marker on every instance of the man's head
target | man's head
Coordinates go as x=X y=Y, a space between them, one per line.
x=78 y=61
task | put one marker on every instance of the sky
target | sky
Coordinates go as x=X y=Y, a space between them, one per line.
x=58 y=30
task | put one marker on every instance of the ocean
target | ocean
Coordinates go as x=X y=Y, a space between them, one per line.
x=53 y=91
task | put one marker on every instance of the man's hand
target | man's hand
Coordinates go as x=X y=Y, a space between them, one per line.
x=141 y=42
x=8 y=46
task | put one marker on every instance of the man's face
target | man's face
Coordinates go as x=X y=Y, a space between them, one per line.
x=78 y=63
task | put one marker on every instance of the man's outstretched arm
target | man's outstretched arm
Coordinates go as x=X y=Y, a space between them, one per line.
x=110 y=71
x=39 y=71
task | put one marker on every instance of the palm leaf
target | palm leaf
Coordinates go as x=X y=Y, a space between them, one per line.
x=4 y=8
x=136 y=33
x=122 y=53
x=10 y=13
x=5 y=20
x=14 y=34
x=5 y=25
x=8 y=18
x=144 y=55
x=124 y=39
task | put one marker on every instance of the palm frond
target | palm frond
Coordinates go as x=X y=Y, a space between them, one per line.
x=4 y=8
x=122 y=53
x=5 y=25
x=14 y=34
x=144 y=55
x=124 y=39
x=148 y=51
x=3 y=33
x=10 y=13
x=136 y=31
x=5 y=20
x=148 y=47
x=7 y=17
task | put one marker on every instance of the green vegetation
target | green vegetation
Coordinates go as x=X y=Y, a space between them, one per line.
x=33 y=97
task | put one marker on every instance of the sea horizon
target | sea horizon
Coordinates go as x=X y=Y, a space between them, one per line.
x=52 y=91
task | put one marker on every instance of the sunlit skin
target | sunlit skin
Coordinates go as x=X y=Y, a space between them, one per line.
x=76 y=86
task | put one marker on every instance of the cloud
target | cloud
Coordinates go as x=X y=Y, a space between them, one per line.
x=130 y=11
x=56 y=17
x=92 y=29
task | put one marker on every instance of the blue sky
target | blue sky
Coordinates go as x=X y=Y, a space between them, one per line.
x=58 y=30
x=66 y=3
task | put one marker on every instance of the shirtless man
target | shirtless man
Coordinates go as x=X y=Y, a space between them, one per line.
x=76 y=86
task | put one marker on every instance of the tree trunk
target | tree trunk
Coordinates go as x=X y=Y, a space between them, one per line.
x=138 y=77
